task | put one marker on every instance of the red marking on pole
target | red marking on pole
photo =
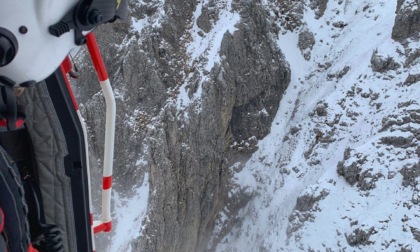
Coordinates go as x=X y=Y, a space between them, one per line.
x=67 y=66
x=32 y=249
x=107 y=183
x=63 y=71
x=104 y=227
x=98 y=229
x=91 y=219
x=95 y=54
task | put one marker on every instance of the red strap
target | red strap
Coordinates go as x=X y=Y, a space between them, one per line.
x=66 y=64
x=19 y=123
x=31 y=249
x=1 y=220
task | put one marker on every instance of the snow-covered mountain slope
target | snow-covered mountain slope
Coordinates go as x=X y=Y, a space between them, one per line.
x=340 y=169
x=333 y=132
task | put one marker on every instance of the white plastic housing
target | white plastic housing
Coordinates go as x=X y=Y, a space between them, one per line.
x=39 y=53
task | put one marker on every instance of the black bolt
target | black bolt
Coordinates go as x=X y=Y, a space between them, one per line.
x=81 y=41
x=95 y=17
x=23 y=29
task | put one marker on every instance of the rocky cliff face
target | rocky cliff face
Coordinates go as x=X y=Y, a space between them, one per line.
x=197 y=84
x=242 y=151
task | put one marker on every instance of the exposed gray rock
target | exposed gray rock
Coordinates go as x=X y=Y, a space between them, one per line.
x=297 y=221
x=367 y=180
x=291 y=14
x=321 y=109
x=304 y=208
x=410 y=174
x=204 y=20
x=209 y=15
x=412 y=79
x=339 y=24
x=140 y=11
x=412 y=56
x=338 y=75
x=319 y=6
x=405 y=117
x=383 y=64
x=356 y=174
x=416 y=233
x=306 y=42
x=407 y=21
x=255 y=105
x=306 y=202
x=399 y=142
x=343 y=72
x=351 y=173
x=406 y=248
x=360 y=237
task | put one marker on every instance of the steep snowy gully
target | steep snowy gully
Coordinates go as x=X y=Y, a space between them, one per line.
x=339 y=168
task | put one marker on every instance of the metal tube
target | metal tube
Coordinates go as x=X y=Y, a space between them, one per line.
x=105 y=225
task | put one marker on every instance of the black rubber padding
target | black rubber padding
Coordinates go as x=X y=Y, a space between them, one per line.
x=8 y=46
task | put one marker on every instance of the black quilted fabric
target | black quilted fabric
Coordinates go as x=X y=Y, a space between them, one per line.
x=50 y=149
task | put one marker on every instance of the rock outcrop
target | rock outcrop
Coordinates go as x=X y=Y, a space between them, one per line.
x=306 y=43
x=407 y=21
x=383 y=64
x=319 y=6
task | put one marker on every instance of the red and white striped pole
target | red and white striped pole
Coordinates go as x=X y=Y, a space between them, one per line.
x=105 y=224
x=65 y=67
